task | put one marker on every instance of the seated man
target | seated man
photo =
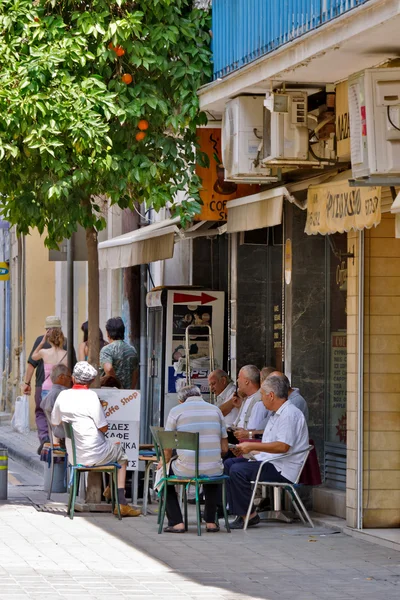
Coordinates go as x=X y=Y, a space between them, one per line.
x=81 y=407
x=224 y=389
x=195 y=415
x=295 y=397
x=286 y=431
x=61 y=379
x=253 y=415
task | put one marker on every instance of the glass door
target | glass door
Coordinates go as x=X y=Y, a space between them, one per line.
x=156 y=367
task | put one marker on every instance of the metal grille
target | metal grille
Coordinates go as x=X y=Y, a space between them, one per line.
x=335 y=466
x=243 y=31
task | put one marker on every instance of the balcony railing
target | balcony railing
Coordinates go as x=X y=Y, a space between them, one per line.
x=244 y=30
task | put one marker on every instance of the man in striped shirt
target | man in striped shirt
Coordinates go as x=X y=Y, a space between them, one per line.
x=194 y=415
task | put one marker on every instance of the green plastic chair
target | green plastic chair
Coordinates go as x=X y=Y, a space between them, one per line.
x=77 y=469
x=180 y=440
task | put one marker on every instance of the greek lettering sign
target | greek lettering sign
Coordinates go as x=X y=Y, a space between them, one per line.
x=4 y=271
x=335 y=207
x=215 y=191
x=338 y=388
x=122 y=411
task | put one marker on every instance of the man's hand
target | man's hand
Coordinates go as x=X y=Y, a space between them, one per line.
x=237 y=401
x=236 y=451
x=245 y=447
x=242 y=434
x=26 y=389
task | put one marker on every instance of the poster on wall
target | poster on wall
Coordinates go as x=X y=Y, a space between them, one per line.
x=122 y=411
x=338 y=388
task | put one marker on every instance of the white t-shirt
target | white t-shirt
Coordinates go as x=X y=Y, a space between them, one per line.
x=82 y=408
x=223 y=397
x=258 y=416
x=289 y=426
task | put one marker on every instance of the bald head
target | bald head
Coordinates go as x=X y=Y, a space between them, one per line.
x=218 y=381
x=281 y=375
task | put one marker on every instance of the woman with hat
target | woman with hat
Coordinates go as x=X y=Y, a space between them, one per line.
x=52 y=356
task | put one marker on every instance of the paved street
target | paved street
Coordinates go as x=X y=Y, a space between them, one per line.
x=45 y=554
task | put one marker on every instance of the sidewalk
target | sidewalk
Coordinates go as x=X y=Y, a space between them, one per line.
x=21 y=447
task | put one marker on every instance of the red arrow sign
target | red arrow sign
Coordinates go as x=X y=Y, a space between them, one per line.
x=189 y=299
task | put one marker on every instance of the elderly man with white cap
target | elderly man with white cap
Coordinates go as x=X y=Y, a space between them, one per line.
x=81 y=407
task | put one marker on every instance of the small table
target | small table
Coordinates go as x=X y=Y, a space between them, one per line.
x=149 y=463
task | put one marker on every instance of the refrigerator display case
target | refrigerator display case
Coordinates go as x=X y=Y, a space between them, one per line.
x=170 y=312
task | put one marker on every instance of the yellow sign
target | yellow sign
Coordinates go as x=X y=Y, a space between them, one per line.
x=288 y=261
x=4 y=271
x=342 y=121
x=335 y=207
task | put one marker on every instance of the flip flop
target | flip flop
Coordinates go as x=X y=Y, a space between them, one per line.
x=171 y=529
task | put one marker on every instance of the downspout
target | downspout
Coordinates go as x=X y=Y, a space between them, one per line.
x=233 y=305
x=360 y=404
x=144 y=416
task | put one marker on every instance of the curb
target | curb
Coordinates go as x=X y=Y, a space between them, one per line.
x=30 y=461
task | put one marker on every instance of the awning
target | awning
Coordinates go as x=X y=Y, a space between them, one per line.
x=151 y=243
x=256 y=211
x=141 y=246
x=335 y=207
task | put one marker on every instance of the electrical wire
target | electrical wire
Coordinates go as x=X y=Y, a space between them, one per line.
x=390 y=119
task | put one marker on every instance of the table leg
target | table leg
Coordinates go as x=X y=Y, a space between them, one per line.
x=146 y=487
x=135 y=485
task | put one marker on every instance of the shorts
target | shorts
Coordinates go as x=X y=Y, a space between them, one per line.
x=116 y=455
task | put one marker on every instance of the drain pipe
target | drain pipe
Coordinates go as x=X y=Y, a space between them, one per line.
x=360 y=404
x=233 y=305
x=144 y=416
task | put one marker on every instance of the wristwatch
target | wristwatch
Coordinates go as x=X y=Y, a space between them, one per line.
x=251 y=435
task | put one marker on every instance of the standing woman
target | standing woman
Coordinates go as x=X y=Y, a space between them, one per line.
x=83 y=348
x=52 y=356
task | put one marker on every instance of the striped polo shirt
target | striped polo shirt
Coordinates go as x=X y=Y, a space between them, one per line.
x=196 y=415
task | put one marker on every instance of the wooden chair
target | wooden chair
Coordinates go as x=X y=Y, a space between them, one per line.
x=288 y=487
x=178 y=440
x=77 y=469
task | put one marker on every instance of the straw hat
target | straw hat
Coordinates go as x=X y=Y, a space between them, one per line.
x=52 y=323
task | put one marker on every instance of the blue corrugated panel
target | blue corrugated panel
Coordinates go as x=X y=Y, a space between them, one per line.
x=244 y=30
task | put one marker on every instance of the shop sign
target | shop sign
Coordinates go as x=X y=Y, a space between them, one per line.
x=338 y=387
x=335 y=207
x=215 y=191
x=122 y=411
x=288 y=261
x=4 y=271
x=342 y=121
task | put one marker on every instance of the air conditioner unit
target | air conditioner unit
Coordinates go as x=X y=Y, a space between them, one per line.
x=242 y=131
x=374 y=107
x=286 y=130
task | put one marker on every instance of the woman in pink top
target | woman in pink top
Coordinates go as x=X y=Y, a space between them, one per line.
x=50 y=356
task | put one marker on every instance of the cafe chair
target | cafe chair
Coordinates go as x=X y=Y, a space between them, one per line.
x=77 y=469
x=290 y=488
x=179 y=440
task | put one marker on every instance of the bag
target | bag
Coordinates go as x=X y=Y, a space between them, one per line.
x=20 y=420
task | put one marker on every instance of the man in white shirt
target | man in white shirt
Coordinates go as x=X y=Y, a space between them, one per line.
x=286 y=432
x=253 y=415
x=81 y=407
x=224 y=389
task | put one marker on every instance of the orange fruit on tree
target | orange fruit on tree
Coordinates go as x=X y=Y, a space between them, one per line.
x=140 y=136
x=127 y=78
x=143 y=125
x=119 y=51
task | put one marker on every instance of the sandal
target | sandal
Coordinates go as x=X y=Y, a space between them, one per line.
x=212 y=529
x=171 y=529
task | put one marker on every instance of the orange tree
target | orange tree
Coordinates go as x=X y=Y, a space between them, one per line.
x=98 y=99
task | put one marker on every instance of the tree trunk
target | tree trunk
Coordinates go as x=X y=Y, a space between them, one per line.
x=93 y=491
x=93 y=300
